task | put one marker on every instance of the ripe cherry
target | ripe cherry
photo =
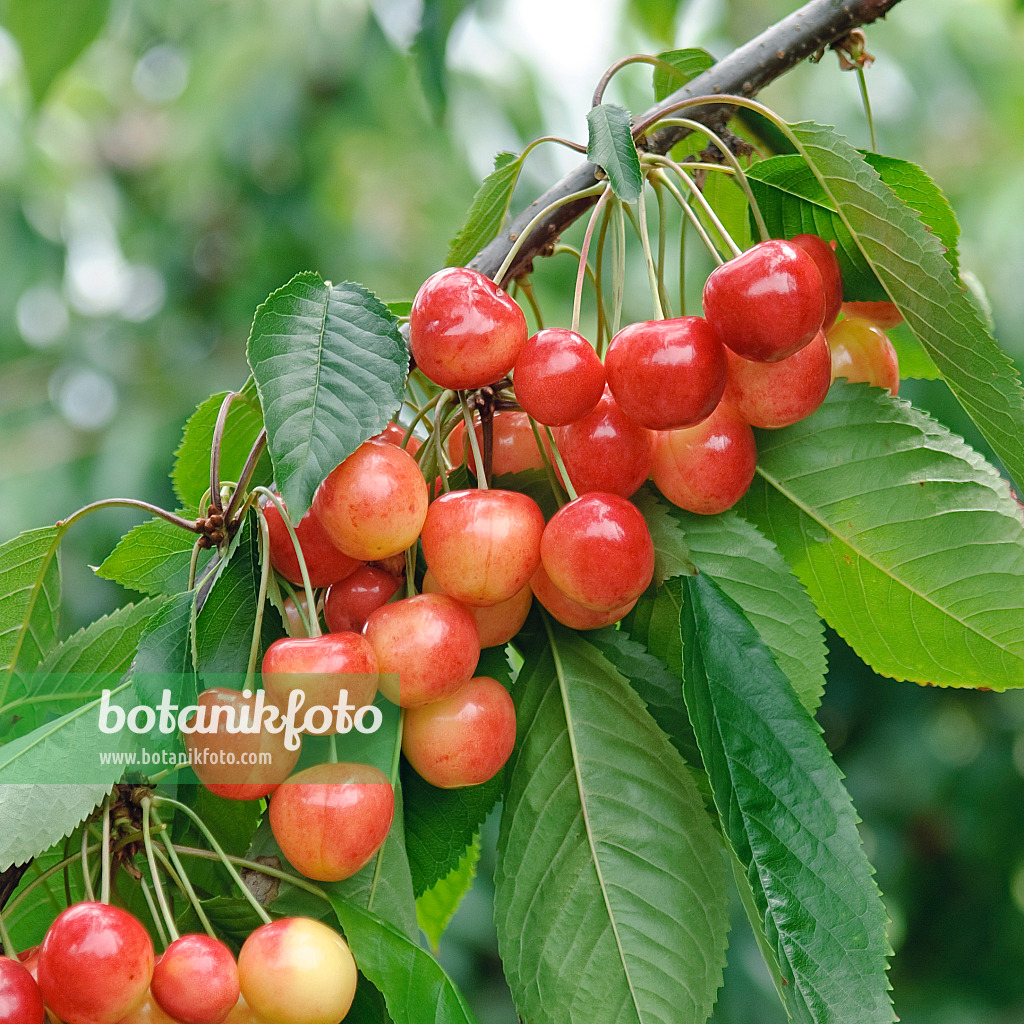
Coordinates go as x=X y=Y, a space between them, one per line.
x=394 y=433
x=20 y=999
x=95 y=964
x=881 y=314
x=297 y=971
x=464 y=331
x=482 y=546
x=862 y=351
x=558 y=377
x=219 y=752
x=373 y=504
x=569 y=612
x=606 y=451
x=427 y=647
x=464 y=739
x=149 y=1011
x=324 y=562
x=321 y=667
x=498 y=623
x=513 y=444
x=666 y=373
x=824 y=255
x=196 y=980
x=241 y=1013
x=767 y=303
x=709 y=467
x=598 y=551
x=778 y=394
x=330 y=820
x=348 y=604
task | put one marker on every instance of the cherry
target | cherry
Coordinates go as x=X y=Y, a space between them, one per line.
x=297 y=971
x=330 y=820
x=881 y=314
x=242 y=1014
x=778 y=394
x=606 y=451
x=861 y=351
x=394 y=433
x=513 y=444
x=321 y=667
x=709 y=467
x=598 y=551
x=427 y=647
x=558 y=377
x=464 y=331
x=374 y=503
x=218 y=757
x=569 y=612
x=348 y=604
x=824 y=255
x=464 y=739
x=293 y=621
x=500 y=622
x=767 y=303
x=149 y=1011
x=20 y=999
x=95 y=964
x=482 y=546
x=324 y=562
x=666 y=373
x=196 y=980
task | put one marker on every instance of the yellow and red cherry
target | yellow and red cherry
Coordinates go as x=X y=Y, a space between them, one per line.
x=569 y=612
x=324 y=562
x=861 y=351
x=881 y=314
x=513 y=444
x=195 y=981
x=824 y=255
x=558 y=377
x=149 y=1011
x=20 y=999
x=348 y=604
x=500 y=622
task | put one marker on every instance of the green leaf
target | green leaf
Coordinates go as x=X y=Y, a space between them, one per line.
x=164 y=660
x=415 y=986
x=688 y=64
x=611 y=147
x=671 y=554
x=909 y=543
x=913 y=361
x=330 y=367
x=51 y=35
x=787 y=816
x=436 y=907
x=431 y=47
x=610 y=885
x=487 y=211
x=153 y=558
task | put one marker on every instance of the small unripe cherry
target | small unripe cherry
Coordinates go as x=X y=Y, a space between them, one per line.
x=348 y=604
x=824 y=255
x=324 y=562
x=861 y=351
x=558 y=377
x=881 y=314
x=569 y=612
x=498 y=623
x=196 y=980
x=513 y=444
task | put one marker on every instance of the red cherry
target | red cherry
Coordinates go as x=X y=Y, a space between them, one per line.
x=464 y=331
x=778 y=394
x=427 y=647
x=394 y=433
x=666 y=373
x=824 y=255
x=324 y=562
x=321 y=667
x=513 y=444
x=571 y=613
x=606 y=450
x=348 y=604
x=330 y=820
x=881 y=314
x=500 y=622
x=373 y=504
x=598 y=551
x=464 y=739
x=196 y=980
x=767 y=303
x=863 y=352
x=20 y=999
x=95 y=964
x=709 y=467
x=482 y=546
x=558 y=377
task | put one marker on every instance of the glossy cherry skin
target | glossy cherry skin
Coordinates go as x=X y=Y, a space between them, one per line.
x=863 y=352
x=569 y=612
x=324 y=562
x=463 y=740
x=394 y=433
x=513 y=444
x=497 y=624
x=824 y=255
x=606 y=450
x=598 y=551
x=767 y=303
x=881 y=314
x=482 y=546
x=427 y=647
x=349 y=603
x=709 y=467
x=778 y=394
x=297 y=971
x=196 y=980
x=236 y=781
x=558 y=377
x=20 y=999
x=95 y=964
x=666 y=373
x=330 y=820
x=373 y=504
x=321 y=667
x=464 y=331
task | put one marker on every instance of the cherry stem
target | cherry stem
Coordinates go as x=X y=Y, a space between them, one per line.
x=437 y=441
x=193 y=563
x=185 y=524
x=602 y=316
x=566 y=482
x=866 y=100
x=396 y=758
x=682 y=260
x=568 y=143
x=525 y=285
x=43 y=877
x=153 y=912
x=332 y=749
x=218 y=443
x=147 y=841
x=6 y=945
x=635 y=58
x=659 y=193
x=211 y=839
x=556 y=489
x=261 y=602
x=705 y=206
x=602 y=323
x=183 y=876
x=248 y=469
x=619 y=269
x=474 y=444
x=692 y=217
x=90 y=895
x=577 y=298
x=254 y=865
x=645 y=241
x=105 y=853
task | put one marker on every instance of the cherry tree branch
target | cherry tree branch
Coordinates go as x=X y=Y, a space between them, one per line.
x=744 y=72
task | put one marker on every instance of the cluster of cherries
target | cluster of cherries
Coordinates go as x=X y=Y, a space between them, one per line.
x=97 y=965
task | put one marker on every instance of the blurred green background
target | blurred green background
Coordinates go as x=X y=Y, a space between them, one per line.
x=196 y=156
